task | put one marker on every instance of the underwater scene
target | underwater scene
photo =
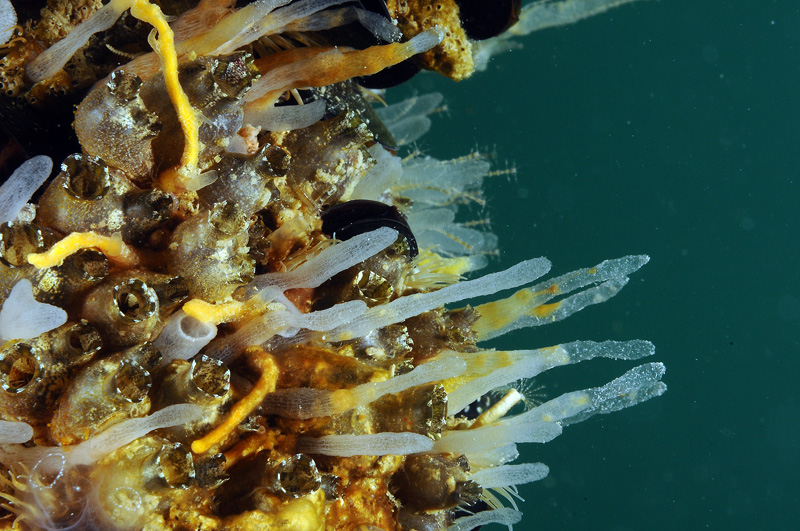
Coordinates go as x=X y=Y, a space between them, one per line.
x=287 y=264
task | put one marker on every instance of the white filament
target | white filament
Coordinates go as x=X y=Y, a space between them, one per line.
x=403 y=443
x=19 y=188
x=183 y=337
x=23 y=317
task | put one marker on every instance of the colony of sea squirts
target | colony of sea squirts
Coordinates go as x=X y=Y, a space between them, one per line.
x=234 y=306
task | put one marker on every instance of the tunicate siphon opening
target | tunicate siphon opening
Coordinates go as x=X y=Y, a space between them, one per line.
x=135 y=300
x=17 y=241
x=210 y=472
x=124 y=87
x=132 y=382
x=123 y=504
x=372 y=288
x=227 y=218
x=296 y=476
x=85 y=177
x=91 y=265
x=18 y=368
x=175 y=465
x=83 y=341
x=210 y=376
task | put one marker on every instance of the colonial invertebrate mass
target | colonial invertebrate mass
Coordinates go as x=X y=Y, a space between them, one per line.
x=233 y=305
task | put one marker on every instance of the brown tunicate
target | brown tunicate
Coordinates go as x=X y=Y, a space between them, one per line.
x=328 y=157
x=113 y=123
x=104 y=393
x=422 y=410
x=34 y=373
x=124 y=308
x=171 y=467
x=203 y=381
x=264 y=482
x=64 y=285
x=84 y=196
x=17 y=240
x=439 y=329
x=144 y=211
x=246 y=181
x=210 y=251
x=435 y=482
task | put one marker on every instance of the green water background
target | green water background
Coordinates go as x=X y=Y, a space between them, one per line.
x=668 y=128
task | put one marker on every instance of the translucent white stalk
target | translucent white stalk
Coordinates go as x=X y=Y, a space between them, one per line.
x=403 y=443
x=263 y=328
x=324 y=265
x=508 y=475
x=286 y=118
x=55 y=57
x=405 y=307
x=635 y=386
x=503 y=516
x=262 y=18
x=494 y=435
x=305 y=403
x=20 y=186
x=499 y=368
x=127 y=431
x=493 y=457
x=8 y=19
x=183 y=337
x=523 y=308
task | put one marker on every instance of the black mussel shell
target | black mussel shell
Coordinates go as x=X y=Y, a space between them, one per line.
x=351 y=218
x=482 y=19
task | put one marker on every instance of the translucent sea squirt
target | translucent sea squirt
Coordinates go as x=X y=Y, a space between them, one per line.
x=234 y=306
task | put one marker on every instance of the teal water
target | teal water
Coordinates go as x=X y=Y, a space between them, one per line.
x=668 y=128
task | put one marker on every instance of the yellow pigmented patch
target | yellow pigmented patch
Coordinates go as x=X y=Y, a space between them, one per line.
x=111 y=246
x=545 y=310
x=479 y=365
x=499 y=314
x=224 y=312
x=265 y=385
